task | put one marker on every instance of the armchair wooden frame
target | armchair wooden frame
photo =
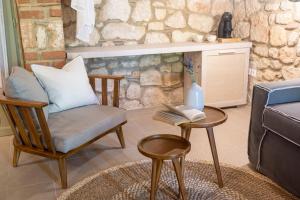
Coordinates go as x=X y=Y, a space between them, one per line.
x=29 y=139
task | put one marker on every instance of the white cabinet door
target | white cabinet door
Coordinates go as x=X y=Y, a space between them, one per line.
x=224 y=77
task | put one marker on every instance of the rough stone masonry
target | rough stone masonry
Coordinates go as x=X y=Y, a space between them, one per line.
x=42 y=33
x=274 y=28
x=152 y=79
x=272 y=25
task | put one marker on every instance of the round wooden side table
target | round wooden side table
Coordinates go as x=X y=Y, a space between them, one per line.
x=165 y=147
x=214 y=117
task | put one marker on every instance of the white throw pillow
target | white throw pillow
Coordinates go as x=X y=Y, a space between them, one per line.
x=68 y=87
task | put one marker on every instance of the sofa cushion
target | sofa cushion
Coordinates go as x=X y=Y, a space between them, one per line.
x=21 y=84
x=284 y=120
x=72 y=128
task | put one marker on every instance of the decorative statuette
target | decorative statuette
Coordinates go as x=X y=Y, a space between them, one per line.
x=225 y=26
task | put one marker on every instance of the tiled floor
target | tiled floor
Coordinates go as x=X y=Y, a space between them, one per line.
x=37 y=178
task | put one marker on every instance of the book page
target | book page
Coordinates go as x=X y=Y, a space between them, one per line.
x=190 y=113
x=193 y=114
x=175 y=110
x=170 y=118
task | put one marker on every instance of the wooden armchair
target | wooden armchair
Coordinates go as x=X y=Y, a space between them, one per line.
x=38 y=140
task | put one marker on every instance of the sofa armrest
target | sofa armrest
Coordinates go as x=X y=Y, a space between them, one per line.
x=265 y=94
x=104 y=78
x=281 y=92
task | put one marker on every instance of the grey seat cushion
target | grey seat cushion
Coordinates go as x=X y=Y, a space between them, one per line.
x=284 y=119
x=72 y=128
x=23 y=85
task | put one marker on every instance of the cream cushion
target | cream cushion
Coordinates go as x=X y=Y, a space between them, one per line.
x=68 y=87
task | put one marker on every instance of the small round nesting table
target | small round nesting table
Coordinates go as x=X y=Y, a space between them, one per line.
x=165 y=147
x=214 y=117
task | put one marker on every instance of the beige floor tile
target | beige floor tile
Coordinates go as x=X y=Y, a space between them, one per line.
x=5 y=143
x=4 y=162
x=26 y=158
x=133 y=133
x=34 y=192
x=133 y=115
x=114 y=157
x=31 y=173
x=2 y=191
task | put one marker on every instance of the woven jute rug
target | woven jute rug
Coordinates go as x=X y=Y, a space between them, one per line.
x=132 y=182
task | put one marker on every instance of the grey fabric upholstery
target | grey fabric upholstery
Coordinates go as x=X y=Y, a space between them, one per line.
x=282 y=91
x=284 y=120
x=21 y=84
x=274 y=153
x=72 y=128
x=280 y=162
x=265 y=94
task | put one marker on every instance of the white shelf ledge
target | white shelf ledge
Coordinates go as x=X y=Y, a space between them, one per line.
x=148 y=49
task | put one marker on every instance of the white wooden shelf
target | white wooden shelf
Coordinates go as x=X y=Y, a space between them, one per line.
x=148 y=49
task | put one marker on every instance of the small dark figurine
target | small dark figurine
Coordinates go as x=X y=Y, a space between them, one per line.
x=225 y=26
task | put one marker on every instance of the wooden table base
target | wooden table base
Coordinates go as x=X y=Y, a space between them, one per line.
x=186 y=132
x=156 y=171
x=211 y=137
x=165 y=147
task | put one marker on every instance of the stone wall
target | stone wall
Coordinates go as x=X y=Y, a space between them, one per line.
x=272 y=25
x=153 y=79
x=274 y=28
x=150 y=80
x=126 y=22
x=42 y=34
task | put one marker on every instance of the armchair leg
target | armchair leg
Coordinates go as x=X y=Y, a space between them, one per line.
x=16 y=157
x=120 y=135
x=63 y=172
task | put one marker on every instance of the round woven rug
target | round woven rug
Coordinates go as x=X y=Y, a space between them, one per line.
x=132 y=181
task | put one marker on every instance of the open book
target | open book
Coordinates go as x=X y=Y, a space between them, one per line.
x=176 y=115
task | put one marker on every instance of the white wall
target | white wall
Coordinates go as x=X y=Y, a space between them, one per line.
x=3 y=50
x=4 y=126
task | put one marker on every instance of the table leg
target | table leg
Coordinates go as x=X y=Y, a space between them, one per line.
x=158 y=172
x=214 y=152
x=183 y=132
x=182 y=161
x=179 y=176
x=186 y=133
x=156 y=169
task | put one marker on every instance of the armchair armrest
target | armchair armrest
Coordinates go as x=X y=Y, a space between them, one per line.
x=23 y=103
x=23 y=121
x=104 y=78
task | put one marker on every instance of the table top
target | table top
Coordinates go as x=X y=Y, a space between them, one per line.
x=149 y=49
x=164 y=146
x=214 y=116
